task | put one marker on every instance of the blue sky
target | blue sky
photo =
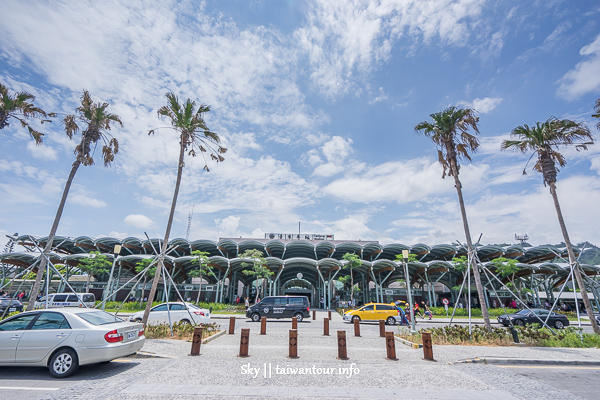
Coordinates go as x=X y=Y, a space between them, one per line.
x=316 y=102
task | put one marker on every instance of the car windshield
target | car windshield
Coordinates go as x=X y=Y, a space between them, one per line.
x=99 y=318
x=523 y=312
x=193 y=306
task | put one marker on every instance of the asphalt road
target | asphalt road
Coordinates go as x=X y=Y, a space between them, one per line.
x=581 y=381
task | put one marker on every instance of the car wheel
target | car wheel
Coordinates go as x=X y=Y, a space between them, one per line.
x=255 y=317
x=184 y=322
x=390 y=321
x=138 y=320
x=356 y=318
x=559 y=325
x=63 y=363
x=299 y=317
x=519 y=322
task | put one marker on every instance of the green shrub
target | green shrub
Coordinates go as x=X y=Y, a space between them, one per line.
x=180 y=331
x=531 y=335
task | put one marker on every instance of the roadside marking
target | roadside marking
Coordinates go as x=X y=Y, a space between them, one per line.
x=545 y=367
x=25 y=388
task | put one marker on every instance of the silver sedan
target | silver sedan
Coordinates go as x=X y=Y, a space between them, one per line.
x=64 y=339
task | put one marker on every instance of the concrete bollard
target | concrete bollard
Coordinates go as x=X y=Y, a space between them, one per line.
x=427 y=346
x=381 y=328
x=314 y=315
x=341 y=339
x=294 y=323
x=293 y=353
x=325 y=327
x=231 y=325
x=196 y=341
x=263 y=326
x=356 y=327
x=329 y=315
x=390 y=344
x=244 y=340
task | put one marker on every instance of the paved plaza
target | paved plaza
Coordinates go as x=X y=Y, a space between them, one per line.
x=268 y=373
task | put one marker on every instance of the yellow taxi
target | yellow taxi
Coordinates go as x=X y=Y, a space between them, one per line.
x=374 y=312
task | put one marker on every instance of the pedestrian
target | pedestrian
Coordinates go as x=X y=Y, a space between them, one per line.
x=417 y=310
x=322 y=302
x=403 y=319
x=427 y=310
x=495 y=304
x=247 y=303
x=21 y=296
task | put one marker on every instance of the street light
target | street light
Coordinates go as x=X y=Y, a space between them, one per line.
x=408 y=291
x=116 y=251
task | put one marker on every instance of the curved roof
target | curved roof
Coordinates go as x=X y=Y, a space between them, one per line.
x=311 y=257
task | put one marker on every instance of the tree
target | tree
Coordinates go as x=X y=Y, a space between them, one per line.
x=259 y=268
x=449 y=131
x=352 y=262
x=97 y=122
x=20 y=107
x=193 y=134
x=507 y=268
x=204 y=268
x=95 y=265
x=545 y=139
x=139 y=267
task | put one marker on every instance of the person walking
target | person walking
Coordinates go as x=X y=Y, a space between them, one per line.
x=417 y=310
x=247 y=303
x=322 y=302
x=427 y=311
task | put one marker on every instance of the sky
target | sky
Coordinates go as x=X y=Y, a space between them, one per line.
x=316 y=102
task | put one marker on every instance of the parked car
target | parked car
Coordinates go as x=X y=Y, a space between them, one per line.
x=374 y=312
x=280 y=307
x=185 y=313
x=12 y=305
x=525 y=317
x=56 y=300
x=65 y=338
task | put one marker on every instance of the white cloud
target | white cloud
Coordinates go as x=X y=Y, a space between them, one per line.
x=83 y=199
x=484 y=105
x=343 y=39
x=228 y=227
x=585 y=77
x=139 y=221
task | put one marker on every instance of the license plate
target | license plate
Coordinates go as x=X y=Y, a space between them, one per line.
x=13 y=309
x=130 y=335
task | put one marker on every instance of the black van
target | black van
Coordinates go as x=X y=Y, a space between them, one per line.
x=280 y=307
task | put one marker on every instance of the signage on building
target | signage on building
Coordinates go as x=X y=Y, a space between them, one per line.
x=295 y=236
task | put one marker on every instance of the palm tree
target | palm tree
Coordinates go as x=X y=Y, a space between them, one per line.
x=449 y=131
x=193 y=134
x=97 y=124
x=597 y=114
x=545 y=139
x=20 y=107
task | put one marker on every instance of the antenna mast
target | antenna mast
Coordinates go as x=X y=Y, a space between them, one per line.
x=190 y=215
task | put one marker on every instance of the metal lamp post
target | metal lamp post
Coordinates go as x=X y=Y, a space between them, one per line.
x=409 y=291
x=116 y=251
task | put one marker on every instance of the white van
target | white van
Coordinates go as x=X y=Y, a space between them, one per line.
x=56 y=300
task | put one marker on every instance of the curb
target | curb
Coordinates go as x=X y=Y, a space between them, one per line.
x=522 y=361
x=408 y=343
x=146 y=354
x=213 y=337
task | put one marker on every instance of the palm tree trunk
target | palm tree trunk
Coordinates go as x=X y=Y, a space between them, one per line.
x=473 y=266
x=165 y=243
x=42 y=267
x=143 y=292
x=573 y=261
x=87 y=287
